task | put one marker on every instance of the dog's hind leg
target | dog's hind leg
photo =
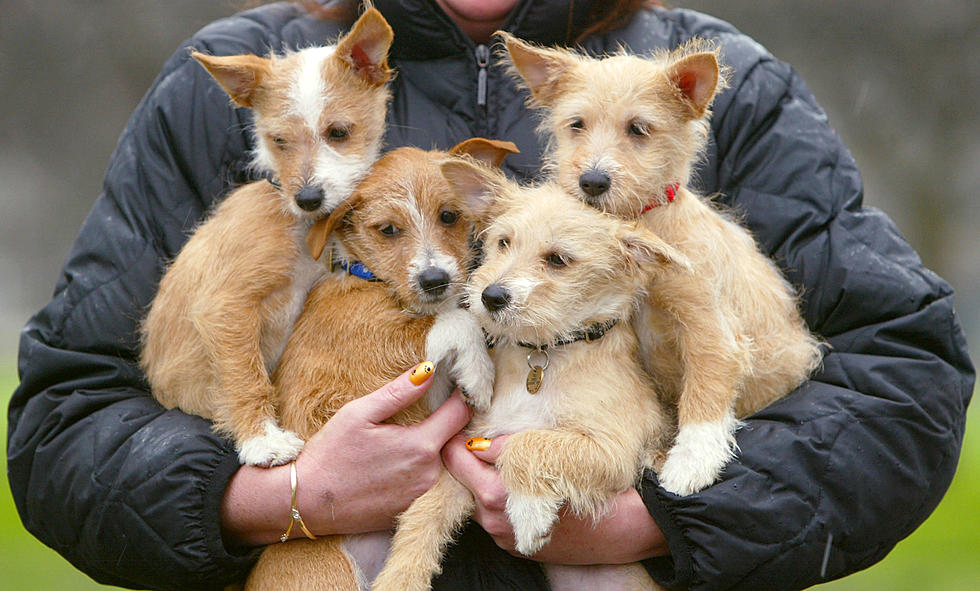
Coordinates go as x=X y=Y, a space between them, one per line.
x=424 y=530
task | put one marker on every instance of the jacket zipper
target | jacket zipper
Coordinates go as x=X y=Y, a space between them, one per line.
x=482 y=61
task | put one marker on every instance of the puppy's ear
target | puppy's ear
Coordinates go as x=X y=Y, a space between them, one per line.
x=542 y=69
x=240 y=75
x=365 y=48
x=489 y=152
x=478 y=186
x=647 y=253
x=316 y=239
x=695 y=78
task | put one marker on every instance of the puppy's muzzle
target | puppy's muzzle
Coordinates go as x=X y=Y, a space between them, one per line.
x=495 y=298
x=433 y=281
x=594 y=182
x=310 y=197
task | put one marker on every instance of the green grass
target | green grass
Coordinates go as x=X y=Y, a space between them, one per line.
x=943 y=554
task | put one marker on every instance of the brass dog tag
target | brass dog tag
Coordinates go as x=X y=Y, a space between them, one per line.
x=534 y=379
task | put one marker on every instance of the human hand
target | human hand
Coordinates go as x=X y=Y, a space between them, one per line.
x=354 y=475
x=626 y=533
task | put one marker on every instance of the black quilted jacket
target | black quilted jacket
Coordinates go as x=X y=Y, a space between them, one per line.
x=828 y=480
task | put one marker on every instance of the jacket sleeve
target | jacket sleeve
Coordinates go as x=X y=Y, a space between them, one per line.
x=830 y=478
x=128 y=492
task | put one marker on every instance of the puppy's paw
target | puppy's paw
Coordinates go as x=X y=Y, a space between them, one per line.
x=698 y=456
x=532 y=519
x=476 y=380
x=277 y=446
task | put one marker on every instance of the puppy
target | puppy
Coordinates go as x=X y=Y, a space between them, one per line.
x=721 y=342
x=405 y=236
x=555 y=292
x=226 y=305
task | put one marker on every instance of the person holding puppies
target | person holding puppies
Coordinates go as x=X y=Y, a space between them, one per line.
x=141 y=497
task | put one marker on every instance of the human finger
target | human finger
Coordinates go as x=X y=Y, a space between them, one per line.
x=487 y=450
x=447 y=420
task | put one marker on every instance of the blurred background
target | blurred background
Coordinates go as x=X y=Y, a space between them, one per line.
x=900 y=81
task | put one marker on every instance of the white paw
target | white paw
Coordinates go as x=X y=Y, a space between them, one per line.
x=276 y=447
x=456 y=342
x=532 y=519
x=698 y=456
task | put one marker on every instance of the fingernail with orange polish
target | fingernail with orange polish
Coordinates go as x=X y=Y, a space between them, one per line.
x=478 y=444
x=421 y=372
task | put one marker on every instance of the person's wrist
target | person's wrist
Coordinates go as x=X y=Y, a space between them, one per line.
x=255 y=506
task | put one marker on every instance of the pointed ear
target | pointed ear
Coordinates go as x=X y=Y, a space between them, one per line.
x=365 y=48
x=489 y=152
x=542 y=69
x=647 y=252
x=696 y=79
x=477 y=185
x=239 y=75
x=316 y=239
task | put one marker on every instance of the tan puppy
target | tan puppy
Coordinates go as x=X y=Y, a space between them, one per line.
x=406 y=227
x=226 y=305
x=721 y=342
x=555 y=292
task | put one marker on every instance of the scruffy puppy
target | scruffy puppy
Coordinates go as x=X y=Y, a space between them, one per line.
x=225 y=306
x=555 y=293
x=404 y=237
x=725 y=340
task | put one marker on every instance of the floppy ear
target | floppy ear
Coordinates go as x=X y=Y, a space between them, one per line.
x=239 y=75
x=542 y=69
x=365 y=48
x=645 y=251
x=696 y=79
x=477 y=185
x=316 y=239
x=489 y=152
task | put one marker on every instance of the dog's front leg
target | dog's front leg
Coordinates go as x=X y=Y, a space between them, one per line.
x=457 y=340
x=713 y=363
x=543 y=468
x=246 y=409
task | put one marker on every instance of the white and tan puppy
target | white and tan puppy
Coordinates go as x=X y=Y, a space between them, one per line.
x=226 y=305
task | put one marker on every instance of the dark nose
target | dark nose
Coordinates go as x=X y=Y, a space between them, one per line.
x=434 y=280
x=495 y=298
x=310 y=198
x=594 y=182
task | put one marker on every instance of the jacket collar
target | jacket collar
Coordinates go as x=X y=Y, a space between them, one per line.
x=424 y=31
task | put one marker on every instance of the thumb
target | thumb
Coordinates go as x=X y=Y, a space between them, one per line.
x=396 y=395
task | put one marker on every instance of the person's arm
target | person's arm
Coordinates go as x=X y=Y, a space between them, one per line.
x=830 y=478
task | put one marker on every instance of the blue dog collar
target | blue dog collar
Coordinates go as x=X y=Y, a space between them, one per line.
x=357 y=269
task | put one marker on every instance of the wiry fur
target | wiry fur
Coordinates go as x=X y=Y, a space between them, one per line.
x=354 y=335
x=225 y=307
x=596 y=422
x=721 y=342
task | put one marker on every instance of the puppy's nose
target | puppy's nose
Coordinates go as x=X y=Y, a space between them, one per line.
x=495 y=298
x=310 y=197
x=434 y=280
x=594 y=182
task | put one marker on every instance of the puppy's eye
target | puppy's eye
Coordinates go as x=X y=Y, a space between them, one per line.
x=448 y=217
x=503 y=243
x=556 y=260
x=280 y=142
x=389 y=230
x=337 y=133
x=577 y=124
x=638 y=129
